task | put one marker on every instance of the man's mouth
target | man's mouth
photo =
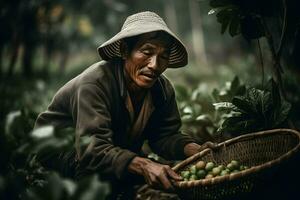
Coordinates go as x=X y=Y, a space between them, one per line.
x=149 y=74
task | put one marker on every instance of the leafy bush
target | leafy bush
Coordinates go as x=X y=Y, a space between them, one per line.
x=199 y=116
x=22 y=151
x=234 y=109
x=254 y=111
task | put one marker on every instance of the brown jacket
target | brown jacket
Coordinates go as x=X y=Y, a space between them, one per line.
x=94 y=103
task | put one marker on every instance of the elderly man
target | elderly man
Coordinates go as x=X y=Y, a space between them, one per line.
x=122 y=101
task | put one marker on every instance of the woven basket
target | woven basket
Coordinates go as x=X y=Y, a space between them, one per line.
x=262 y=151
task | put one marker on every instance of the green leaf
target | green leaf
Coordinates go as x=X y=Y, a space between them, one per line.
x=224 y=18
x=188 y=110
x=204 y=120
x=255 y=97
x=243 y=104
x=91 y=188
x=10 y=119
x=235 y=83
x=237 y=125
x=182 y=93
x=215 y=95
x=69 y=186
x=196 y=95
x=197 y=108
x=43 y=132
x=187 y=118
x=234 y=27
x=281 y=115
x=212 y=11
x=153 y=156
x=224 y=106
x=261 y=101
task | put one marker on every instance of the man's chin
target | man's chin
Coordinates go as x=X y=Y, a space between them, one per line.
x=146 y=85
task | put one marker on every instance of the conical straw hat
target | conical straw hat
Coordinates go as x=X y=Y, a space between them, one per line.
x=140 y=23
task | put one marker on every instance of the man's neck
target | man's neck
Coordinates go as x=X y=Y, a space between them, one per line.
x=137 y=93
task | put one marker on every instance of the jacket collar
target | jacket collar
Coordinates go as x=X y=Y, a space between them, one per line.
x=158 y=91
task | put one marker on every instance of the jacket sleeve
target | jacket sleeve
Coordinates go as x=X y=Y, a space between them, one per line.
x=94 y=146
x=164 y=136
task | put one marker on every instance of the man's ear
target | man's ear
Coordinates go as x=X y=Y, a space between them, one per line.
x=124 y=49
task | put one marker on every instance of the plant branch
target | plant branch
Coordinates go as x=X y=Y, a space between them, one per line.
x=261 y=63
x=283 y=31
x=276 y=58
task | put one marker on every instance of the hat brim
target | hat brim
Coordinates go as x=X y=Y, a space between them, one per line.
x=111 y=48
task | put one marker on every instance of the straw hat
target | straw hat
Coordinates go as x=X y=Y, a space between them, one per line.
x=139 y=23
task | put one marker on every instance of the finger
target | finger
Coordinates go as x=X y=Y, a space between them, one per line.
x=172 y=174
x=211 y=145
x=147 y=178
x=152 y=180
x=165 y=182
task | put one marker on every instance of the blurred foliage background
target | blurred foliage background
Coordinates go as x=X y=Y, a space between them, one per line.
x=242 y=76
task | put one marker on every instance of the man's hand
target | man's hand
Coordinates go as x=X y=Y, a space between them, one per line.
x=155 y=174
x=193 y=148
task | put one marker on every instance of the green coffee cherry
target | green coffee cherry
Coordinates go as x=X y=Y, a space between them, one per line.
x=216 y=171
x=201 y=174
x=224 y=172
x=193 y=169
x=193 y=177
x=209 y=166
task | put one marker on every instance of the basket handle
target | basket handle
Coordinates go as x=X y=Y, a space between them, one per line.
x=208 y=145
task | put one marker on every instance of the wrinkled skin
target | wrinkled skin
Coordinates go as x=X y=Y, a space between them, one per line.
x=156 y=175
x=146 y=62
x=143 y=65
x=148 y=59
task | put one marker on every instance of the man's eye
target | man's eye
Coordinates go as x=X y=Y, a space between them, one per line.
x=146 y=52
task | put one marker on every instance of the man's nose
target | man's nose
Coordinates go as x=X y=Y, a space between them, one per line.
x=153 y=63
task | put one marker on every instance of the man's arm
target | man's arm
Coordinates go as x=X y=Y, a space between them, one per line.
x=91 y=114
x=163 y=132
x=193 y=148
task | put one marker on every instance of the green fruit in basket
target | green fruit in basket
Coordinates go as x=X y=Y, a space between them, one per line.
x=185 y=174
x=201 y=173
x=193 y=169
x=222 y=167
x=209 y=166
x=200 y=165
x=193 y=177
x=235 y=171
x=216 y=171
x=230 y=166
x=235 y=163
x=209 y=176
x=242 y=167
x=224 y=172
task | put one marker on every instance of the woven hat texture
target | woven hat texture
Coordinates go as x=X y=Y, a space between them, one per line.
x=140 y=23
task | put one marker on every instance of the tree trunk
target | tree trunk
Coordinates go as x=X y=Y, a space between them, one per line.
x=170 y=13
x=1 y=64
x=199 y=52
x=27 y=59
x=64 y=59
x=14 y=55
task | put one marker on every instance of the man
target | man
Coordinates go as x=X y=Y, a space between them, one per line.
x=122 y=101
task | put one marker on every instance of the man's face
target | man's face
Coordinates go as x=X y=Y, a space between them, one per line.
x=148 y=59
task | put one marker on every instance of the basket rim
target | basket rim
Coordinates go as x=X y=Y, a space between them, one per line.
x=233 y=176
